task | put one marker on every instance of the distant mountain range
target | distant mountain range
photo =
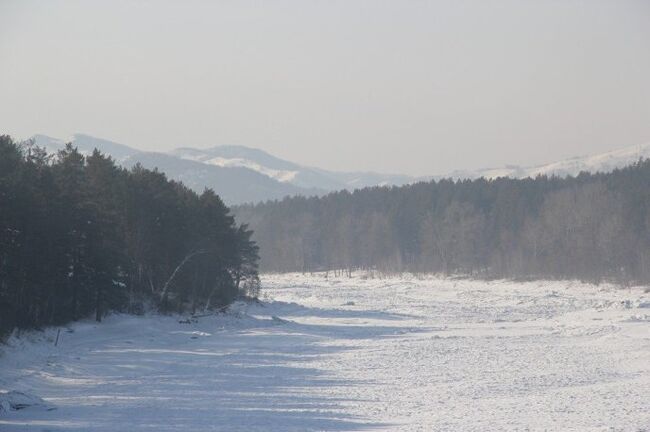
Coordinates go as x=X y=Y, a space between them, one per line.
x=243 y=174
x=238 y=174
x=602 y=162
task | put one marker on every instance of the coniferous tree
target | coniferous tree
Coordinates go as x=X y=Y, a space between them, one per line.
x=593 y=227
x=81 y=236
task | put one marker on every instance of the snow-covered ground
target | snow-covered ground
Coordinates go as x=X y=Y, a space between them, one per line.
x=343 y=354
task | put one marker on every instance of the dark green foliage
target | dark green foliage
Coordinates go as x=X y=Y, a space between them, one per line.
x=591 y=227
x=79 y=235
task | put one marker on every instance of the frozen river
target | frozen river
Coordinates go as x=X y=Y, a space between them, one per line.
x=351 y=354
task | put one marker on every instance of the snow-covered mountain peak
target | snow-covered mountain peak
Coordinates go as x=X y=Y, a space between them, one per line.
x=284 y=176
x=602 y=162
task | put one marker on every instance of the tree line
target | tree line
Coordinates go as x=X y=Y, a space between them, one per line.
x=81 y=236
x=590 y=227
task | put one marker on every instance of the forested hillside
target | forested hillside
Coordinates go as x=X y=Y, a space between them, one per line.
x=81 y=236
x=591 y=227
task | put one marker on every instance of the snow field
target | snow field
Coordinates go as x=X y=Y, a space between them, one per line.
x=351 y=354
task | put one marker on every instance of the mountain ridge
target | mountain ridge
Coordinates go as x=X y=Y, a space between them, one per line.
x=242 y=174
x=599 y=162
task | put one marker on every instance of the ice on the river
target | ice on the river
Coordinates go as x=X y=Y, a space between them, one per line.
x=351 y=354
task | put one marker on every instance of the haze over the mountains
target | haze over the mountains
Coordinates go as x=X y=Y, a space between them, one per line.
x=242 y=174
x=415 y=87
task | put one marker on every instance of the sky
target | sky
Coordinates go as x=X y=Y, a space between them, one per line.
x=414 y=87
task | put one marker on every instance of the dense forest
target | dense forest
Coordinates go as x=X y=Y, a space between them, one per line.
x=81 y=236
x=590 y=227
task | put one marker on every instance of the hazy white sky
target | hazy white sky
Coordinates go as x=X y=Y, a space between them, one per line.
x=419 y=87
